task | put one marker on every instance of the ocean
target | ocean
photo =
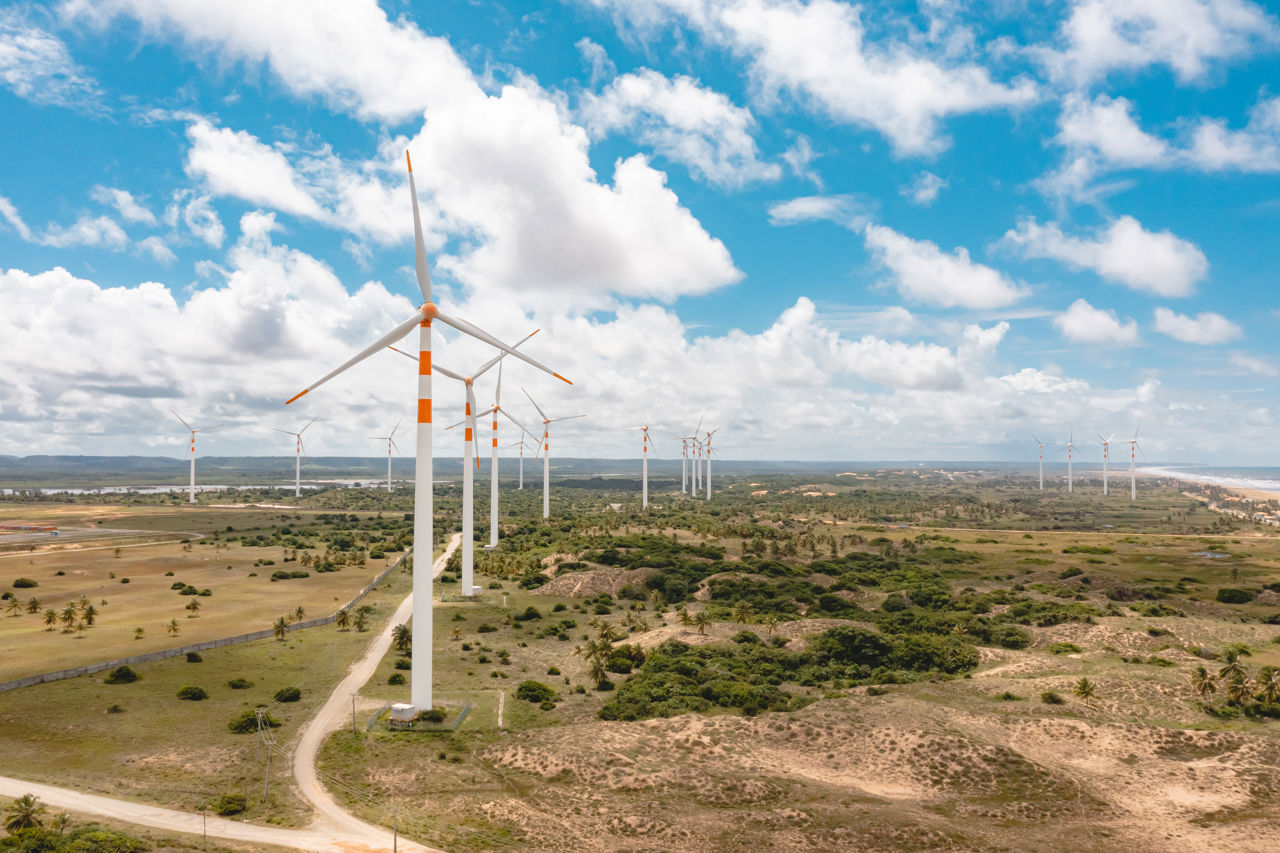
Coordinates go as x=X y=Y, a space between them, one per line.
x=1261 y=479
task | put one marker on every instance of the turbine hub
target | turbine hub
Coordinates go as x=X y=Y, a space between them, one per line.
x=429 y=311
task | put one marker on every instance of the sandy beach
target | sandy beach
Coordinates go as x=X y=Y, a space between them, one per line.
x=1257 y=490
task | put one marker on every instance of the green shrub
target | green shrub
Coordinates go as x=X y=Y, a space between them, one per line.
x=246 y=722
x=192 y=693
x=1050 y=698
x=114 y=709
x=876 y=690
x=124 y=580
x=1064 y=649
x=1009 y=697
x=534 y=691
x=1227 y=595
x=1070 y=573
x=485 y=628
x=229 y=804
x=288 y=694
x=24 y=583
x=553 y=670
x=177 y=584
x=547 y=705
x=396 y=678
x=529 y=613
x=745 y=637
x=239 y=684
x=403 y=663
x=194 y=657
x=121 y=675
x=434 y=715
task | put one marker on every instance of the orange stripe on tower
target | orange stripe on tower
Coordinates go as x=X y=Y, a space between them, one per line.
x=424 y=411
x=495 y=442
x=467 y=437
x=424 y=362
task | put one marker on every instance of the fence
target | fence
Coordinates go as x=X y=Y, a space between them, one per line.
x=147 y=657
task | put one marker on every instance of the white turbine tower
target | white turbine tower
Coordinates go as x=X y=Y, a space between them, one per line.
x=423 y=523
x=1070 y=444
x=1042 y=446
x=1133 y=473
x=191 y=488
x=1106 y=458
x=495 y=410
x=297 y=462
x=644 y=467
x=520 y=444
x=707 y=445
x=684 y=466
x=546 y=452
x=391 y=442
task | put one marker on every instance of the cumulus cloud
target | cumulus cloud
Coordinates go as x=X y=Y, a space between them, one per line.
x=1252 y=364
x=1123 y=252
x=1189 y=37
x=11 y=215
x=1206 y=328
x=683 y=121
x=819 y=52
x=923 y=189
x=922 y=272
x=846 y=211
x=157 y=249
x=237 y=164
x=129 y=208
x=36 y=66
x=1215 y=147
x=1082 y=323
x=95 y=231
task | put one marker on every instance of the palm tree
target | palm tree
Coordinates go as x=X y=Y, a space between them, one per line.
x=281 y=628
x=33 y=606
x=1268 y=685
x=742 y=611
x=1084 y=688
x=596 y=671
x=15 y=606
x=91 y=615
x=1204 y=683
x=1238 y=690
x=361 y=621
x=771 y=622
x=299 y=614
x=1234 y=669
x=23 y=813
x=83 y=603
x=685 y=618
x=68 y=616
x=343 y=618
x=194 y=607
x=402 y=637
x=701 y=621
x=456 y=633
x=173 y=627
x=50 y=618
x=139 y=633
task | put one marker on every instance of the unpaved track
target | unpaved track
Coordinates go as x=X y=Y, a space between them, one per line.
x=334 y=714
x=333 y=831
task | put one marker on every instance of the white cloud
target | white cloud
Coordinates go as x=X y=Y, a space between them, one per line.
x=1189 y=37
x=1106 y=127
x=1254 y=365
x=1206 y=328
x=602 y=67
x=129 y=208
x=683 y=121
x=819 y=51
x=1254 y=148
x=845 y=210
x=96 y=231
x=1083 y=323
x=203 y=221
x=924 y=273
x=1124 y=252
x=36 y=65
x=923 y=189
x=156 y=248
x=237 y=164
x=11 y=215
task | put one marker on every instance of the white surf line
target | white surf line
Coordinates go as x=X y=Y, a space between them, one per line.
x=336 y=831
x=333 y=715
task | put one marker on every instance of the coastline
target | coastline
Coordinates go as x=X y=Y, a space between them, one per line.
x=1256 y=490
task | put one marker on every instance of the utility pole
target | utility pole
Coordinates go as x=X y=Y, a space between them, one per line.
x=353 y=715
x=267 y=740
x=395 y=829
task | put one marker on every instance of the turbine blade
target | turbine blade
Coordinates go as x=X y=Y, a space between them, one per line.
x=419 y=247
x=566 y=418
x=403 y=353
x=497 y=392
x=389 y=338
x=535 y=403
x=285 y=431
x=309 y=423
x=394 y=428
x=179 y=417
x=480 y=334
x=447 y=372
x=506 y=415
x=500 y=356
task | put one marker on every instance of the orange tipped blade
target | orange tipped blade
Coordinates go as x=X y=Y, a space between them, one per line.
x=296 y=396
x=561 y=378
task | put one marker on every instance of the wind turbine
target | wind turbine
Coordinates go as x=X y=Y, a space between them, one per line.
x=1070 y=445
x=1133 y=474
x=494 y=410
x=684 y=465
x=707 y=445
x=546 y=452
x=694 y=459
x=1106 y=455
x=423 y=523
x=644 y=468
x=391 y=442
x=191 y=489
x=521 y=445
x=1042 y=446
x=297 y=462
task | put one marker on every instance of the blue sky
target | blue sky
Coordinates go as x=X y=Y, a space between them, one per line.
x=896 y=230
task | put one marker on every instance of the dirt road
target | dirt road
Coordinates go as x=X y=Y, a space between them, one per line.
x=333 y=715
x=334 y=829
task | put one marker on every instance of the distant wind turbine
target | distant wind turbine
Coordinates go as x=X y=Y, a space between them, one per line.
x=1106 y=458
x=391 y=442
x=684 y=466
x=297 y=462
x=645 y=441
x=546 y=452
x=1070 y=444
x=707 y=445
x=1042 y=446
x=1133 y=474
x=191 y=489
x=423 y=521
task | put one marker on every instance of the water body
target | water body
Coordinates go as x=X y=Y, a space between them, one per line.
x=1260 y=479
